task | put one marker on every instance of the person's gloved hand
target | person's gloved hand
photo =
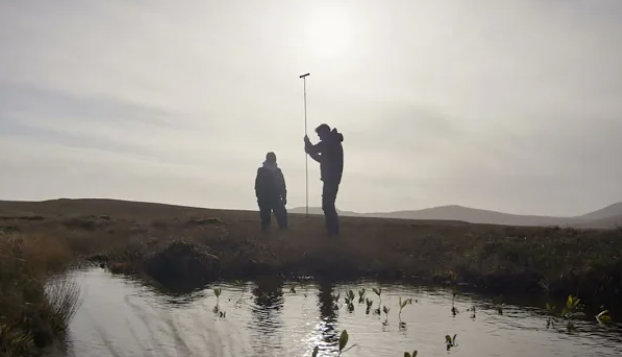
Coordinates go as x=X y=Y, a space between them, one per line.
x=307 y=144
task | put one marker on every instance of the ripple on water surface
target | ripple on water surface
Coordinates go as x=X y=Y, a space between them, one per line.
x=124 y=318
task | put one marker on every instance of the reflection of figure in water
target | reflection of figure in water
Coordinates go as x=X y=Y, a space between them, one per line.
x=265 y=321
x=268 y=293
x=328 y=312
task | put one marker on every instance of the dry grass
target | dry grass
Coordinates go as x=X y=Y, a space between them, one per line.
x=129 y=235
x=33 y=311
x=63 y=296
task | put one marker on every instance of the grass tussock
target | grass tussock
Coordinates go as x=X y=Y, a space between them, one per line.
x=34 y=311
x=63 y=297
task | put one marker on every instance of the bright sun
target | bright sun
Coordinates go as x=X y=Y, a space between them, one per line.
x=329 y=33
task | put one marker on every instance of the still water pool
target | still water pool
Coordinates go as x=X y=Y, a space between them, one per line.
x=120 y=317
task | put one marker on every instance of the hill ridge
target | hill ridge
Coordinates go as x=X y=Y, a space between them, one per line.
x=607 y=217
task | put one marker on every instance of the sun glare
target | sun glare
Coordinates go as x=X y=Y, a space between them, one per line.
x=329 y=33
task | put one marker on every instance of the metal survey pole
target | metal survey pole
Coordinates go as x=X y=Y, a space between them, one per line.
x=304 y=86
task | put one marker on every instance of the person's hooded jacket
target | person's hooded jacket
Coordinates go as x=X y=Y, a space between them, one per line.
x=329 y=153
x=270 y=184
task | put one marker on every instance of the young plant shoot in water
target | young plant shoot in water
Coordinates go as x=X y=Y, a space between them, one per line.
x=402 y=306
x=361 y=296
x=408 y=354
x=217 y=292
x=350 y=295
x=603 y=318
x=336 y=297
x=350 y=300
x=450 y=342
x=336 y=300
x=571 y=305
x=378 y=292
x=343 y=342
x=386 y=314
x=369 y=302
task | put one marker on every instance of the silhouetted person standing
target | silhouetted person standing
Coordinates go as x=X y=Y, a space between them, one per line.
x=271 y=193
x=329 y=153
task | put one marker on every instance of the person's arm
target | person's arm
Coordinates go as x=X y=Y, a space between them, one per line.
x=315 y=151
x=257 y=183
x=283 y=186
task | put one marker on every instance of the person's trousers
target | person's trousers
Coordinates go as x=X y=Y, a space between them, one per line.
x=329 y=196
x=269 y=206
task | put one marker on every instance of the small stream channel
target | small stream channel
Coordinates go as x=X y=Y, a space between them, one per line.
x=120 y=317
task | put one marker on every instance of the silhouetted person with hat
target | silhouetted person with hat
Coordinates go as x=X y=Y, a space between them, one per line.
x=271 y=193
x=329 y=153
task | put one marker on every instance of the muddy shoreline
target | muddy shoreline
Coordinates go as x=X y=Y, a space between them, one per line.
x=185 y=265
x=503 y=288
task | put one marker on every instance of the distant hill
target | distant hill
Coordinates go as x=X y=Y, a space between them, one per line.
x=605 y=218
x=603 y=223
x=608 y=217
x=611 y=211
x=473 y=215
x=318 y=210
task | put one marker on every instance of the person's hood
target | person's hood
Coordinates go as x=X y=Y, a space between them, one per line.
x=272 y=166
x=337 y=135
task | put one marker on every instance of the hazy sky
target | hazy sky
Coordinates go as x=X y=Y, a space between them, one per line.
x=509 y=105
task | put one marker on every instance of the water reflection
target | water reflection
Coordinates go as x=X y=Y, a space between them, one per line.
x=266 y=316
x=122 y=318
x=328 y=315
